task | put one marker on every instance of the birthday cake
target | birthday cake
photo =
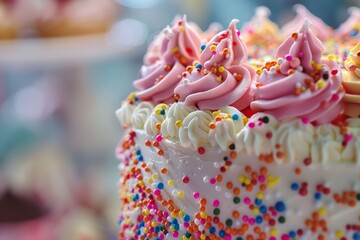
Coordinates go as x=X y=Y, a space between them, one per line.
x=226 y=141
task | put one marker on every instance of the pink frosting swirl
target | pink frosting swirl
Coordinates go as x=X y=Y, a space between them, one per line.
x=221 y=78
x=300 y=84
x=169 y=54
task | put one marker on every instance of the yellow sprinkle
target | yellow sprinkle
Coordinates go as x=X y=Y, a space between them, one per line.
x=141 y=183
x=146 y=230
x=158 y=111
x=184 y=238
x=154 y=224
x=273 y=232
x=150 y=181
x=203 y=214
x=203 y=236
x=259 y=72
x=339 y=234
x=181 y=213
x=321 y=83
x=175 y=49
x=260 y=195
x=182 y=28
x=256 y=211
x=181 y=194
x=322 y=211
x=245 y=120
x=171 y=183
x=147 y=212
x=318 y=66
x=212 y=47
x=173 y=215
x=154 y=176
x=221 y=69
x=331 y=57
x=247 y=181
x=219 y=78
x=216 y=113
x=178 y=123
x=172 y=228
x=241 y=179
x=163 y=106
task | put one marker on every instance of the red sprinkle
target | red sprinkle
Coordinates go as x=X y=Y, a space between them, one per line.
x=201 y=150
x=185 y=179
x=334 y=72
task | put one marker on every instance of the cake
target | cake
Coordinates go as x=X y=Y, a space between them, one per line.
x=216 y=147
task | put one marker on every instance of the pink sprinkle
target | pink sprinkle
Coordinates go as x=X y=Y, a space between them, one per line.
x=305 y=120
x=161 y=236
x=262 y=178
x=196 y=195
x=212 y=181
x=288 y=57
x=251 y=124
x=260 y=124
x=301 y=54
x=151 y=229
x=274 y=214
x=159 y=219
x=216 y=203
x=247 y=201
x=202 y=221
x=166 y=214
x=238 y=32
x=186 y=224
x=175 y=234
x=272 y=238
x=245 y=218
x=198 y=234
x=159 y=138
x=213 y=52
x=227 y=237
x=335 y=97
x=252 y=221
x=285 y=237
x=348 y=137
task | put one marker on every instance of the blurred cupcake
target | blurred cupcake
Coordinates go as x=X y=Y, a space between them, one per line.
x=9 y=28
x=63 y=18
x=349 y=31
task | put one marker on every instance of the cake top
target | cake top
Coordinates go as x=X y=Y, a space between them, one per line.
x=212 y=93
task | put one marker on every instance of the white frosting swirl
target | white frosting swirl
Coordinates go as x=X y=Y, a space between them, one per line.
x=124 y=113
x=254 y=139
x=174 y=118
x=195 y=129
x=327 y=145
x=294 y=139
x=351 y=153
x=151 y=124
x=140 y=114
x=226 y=128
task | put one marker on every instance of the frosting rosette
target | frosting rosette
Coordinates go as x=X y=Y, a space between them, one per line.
x=319 y=27
x=260 y=30
x=349 y=31
x=172 y=50
x=300 y=84
x=352 y=83
x=221 y=78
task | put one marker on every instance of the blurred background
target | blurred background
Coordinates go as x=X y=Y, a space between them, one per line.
x=59 y=90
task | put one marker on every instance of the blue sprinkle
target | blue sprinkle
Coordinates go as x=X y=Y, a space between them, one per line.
x=140 y=158
x=157 y=238
x=138 y=152
x=239 y=238
x=353 y=33
x=292 y=234
x=176 y=227
x=212 y=230
x=186 y=218
x=280 y=206
x=259 y=219
x=187 y=234
x=136 y=99
x=162 y=112
x=294 y=186
x=317 y=195
x=198 y=66
x=263 y=209
x=157 y=229
x=356 y=236
x=258 y=202
x=203 y=47
x=222 y=233
x=160 y=185
x=174 y=221
x=235 y=117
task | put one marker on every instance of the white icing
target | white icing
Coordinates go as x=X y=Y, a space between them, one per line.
x=295 y=139
x=225 y=130
x=140 y=114
x=254 y=140
x=177 y=112
x=124 y=113
x=327 y=146
x=155 y=117
x=195 y=129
